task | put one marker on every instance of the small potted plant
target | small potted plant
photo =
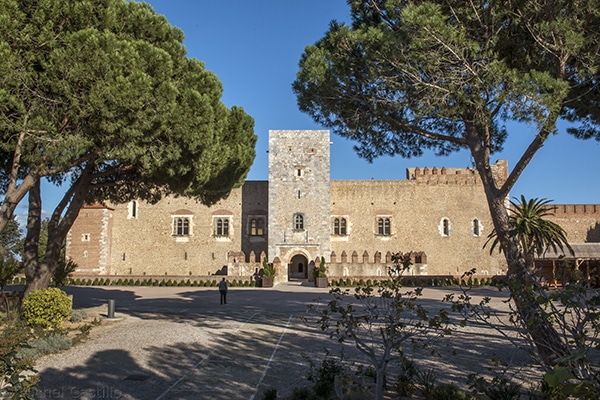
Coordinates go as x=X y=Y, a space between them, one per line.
x=268 y=274
x=321 y=274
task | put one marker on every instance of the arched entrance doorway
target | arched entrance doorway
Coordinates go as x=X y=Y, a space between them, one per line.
x=298 y=267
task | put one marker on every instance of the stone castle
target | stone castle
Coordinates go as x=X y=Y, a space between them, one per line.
x=299 y=215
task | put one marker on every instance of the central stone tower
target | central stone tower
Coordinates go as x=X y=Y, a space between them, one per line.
x=299 y=202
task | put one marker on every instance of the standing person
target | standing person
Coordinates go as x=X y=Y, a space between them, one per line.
x=223 y=291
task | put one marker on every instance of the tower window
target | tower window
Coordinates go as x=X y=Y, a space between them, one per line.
x=339 y=226
x=257 y=226
x=384 y=226
x=298 y=222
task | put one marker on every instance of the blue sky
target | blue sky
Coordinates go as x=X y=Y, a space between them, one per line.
x=254 y=46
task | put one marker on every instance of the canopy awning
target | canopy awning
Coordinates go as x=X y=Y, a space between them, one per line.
x=583 y=251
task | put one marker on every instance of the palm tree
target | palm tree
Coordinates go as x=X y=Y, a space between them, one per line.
x=534 y=233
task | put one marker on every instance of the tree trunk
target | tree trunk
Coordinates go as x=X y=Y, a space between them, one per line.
x=12 y=198
x=36 y=277
x=39 y=274
x=380 y=377
x=548 y=342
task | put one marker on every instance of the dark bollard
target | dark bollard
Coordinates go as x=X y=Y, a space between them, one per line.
x=111 y=309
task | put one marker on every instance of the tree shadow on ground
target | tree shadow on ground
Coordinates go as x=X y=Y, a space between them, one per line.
x=191 y=347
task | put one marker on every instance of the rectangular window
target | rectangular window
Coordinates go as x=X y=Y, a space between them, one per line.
x=476 y=227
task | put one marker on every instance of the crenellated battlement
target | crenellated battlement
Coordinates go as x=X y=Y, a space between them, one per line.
x=569 y=210
x=345 y=264
x=457 y=176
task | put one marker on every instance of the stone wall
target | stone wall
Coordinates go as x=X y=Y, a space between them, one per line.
x=417 y=210
x=581 y=221
x=147 y=244
x=299 y=186
x=439 y=214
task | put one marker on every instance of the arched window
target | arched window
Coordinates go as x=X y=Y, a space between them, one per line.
x=133 y=209
x=384 y=226
x=260 y=227
x=343 y=226
x=222 y=227
x=339 y=226
x=181 y=226
x=445 y=227
x=298 y=222
x=257 y=227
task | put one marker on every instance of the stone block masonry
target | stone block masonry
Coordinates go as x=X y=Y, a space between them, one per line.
x=299 y=215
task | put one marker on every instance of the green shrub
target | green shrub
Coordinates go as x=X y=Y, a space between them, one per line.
x=78 y=315
x=323 y=376
x=36 y=348
x=47 y=308
x=16 y=378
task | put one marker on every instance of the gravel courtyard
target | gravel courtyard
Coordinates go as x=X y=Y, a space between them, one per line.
x=180 y=343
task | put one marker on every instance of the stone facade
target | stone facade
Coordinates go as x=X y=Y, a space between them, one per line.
x=299 y=191
x=299 y=216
